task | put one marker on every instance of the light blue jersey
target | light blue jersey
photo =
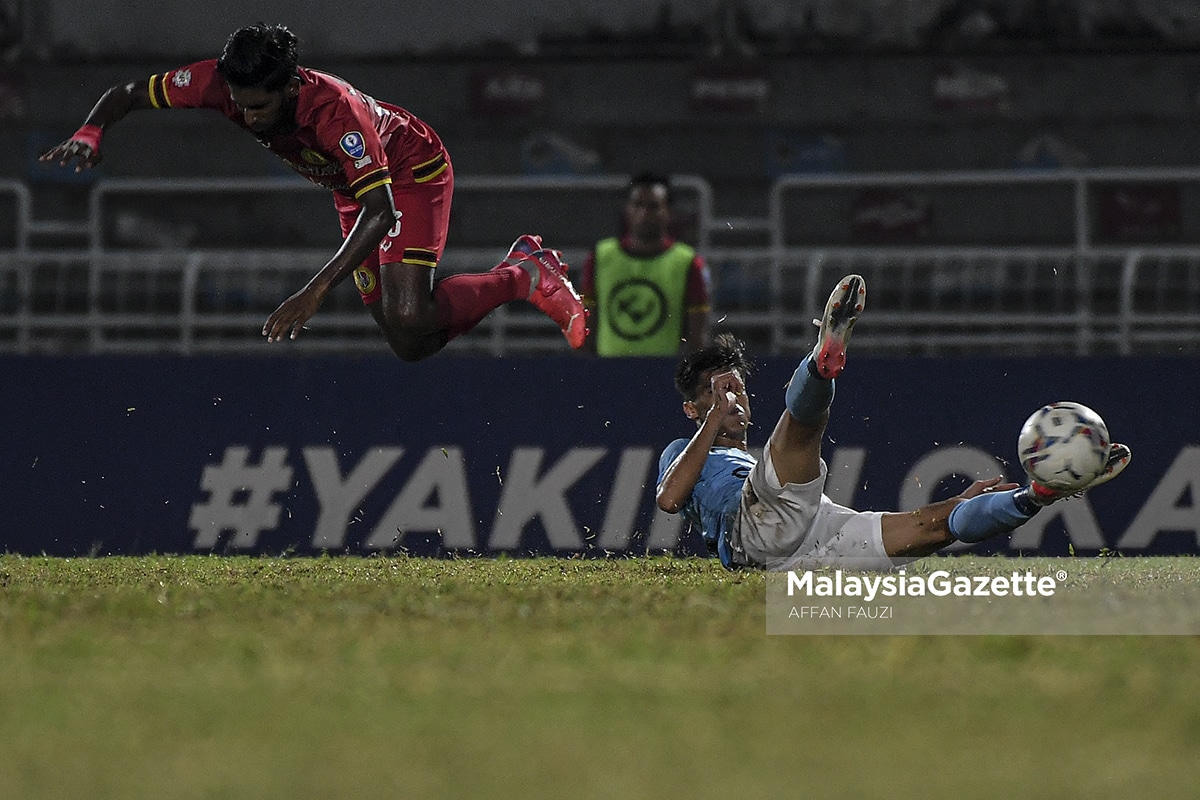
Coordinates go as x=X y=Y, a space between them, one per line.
x=716 y=497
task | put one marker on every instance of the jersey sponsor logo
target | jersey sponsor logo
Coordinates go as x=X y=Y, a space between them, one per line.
x=311 y=156
x=637 y=309
x=362 y=162
x=317 y=172
x=182 y=78
x=353 y=144
x=365 y=280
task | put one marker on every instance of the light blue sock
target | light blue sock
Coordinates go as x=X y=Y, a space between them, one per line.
x=808 y=395
x=987 y=515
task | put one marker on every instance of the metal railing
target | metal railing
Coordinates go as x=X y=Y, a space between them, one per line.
x=1077 y=298
x=1080 y=184
x=979 y=300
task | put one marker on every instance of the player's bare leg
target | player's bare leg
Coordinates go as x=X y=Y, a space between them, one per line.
x=796 y=448
x=407 y=312
x=927 y=529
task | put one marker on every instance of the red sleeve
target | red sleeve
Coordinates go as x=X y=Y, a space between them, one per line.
x=697 y=297
x=194 y=86
x=345 y=128
x=587 y=284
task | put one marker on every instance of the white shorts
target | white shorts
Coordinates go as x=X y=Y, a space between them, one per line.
x=796 y=526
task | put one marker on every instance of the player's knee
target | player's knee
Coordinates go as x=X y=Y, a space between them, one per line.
x=403 y=320
x=412 y=331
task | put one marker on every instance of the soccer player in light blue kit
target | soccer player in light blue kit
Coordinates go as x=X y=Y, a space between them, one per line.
x=772 y=513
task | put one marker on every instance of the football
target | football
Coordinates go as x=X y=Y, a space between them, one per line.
x=1064 y=446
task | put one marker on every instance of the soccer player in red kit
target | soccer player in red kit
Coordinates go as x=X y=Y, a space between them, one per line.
x=391 y=180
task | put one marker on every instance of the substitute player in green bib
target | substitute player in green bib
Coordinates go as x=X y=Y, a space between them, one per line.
x=648 y=295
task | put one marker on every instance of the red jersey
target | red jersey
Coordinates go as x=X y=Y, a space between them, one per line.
x=344 y=140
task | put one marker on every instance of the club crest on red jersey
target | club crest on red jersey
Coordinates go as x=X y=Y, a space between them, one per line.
x=353 y=144
x=365 y=280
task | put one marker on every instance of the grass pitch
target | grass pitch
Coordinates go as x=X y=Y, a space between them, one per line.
x=215 y=677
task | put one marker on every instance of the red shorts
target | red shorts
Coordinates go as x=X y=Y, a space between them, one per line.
x=419 y=235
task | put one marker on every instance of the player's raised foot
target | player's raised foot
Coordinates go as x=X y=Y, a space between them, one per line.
x=1118 y=459
x=845 y=303
x=526 y=245
x=551 y=292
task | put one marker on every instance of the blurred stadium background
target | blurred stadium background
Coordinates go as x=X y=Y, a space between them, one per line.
x=1012 y=176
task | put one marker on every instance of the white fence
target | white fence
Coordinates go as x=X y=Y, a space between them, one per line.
x=1076 y=298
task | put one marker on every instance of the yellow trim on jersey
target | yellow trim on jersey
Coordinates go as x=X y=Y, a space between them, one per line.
x=365 y=189
x=375 y=181
x=424 y=164
x=428 y=170
x=153 y=99
x=158 y=91
x=432 y=175
x=420 y=257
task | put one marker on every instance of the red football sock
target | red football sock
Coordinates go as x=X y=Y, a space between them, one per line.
x=464 y=300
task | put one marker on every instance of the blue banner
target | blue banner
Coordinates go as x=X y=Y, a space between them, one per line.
x=107 y=455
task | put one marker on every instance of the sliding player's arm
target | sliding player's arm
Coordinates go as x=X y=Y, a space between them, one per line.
x=680 y=478
x=83 y=148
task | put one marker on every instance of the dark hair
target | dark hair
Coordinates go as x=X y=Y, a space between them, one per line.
x=650 y=180
x=727 y=352
x=259 y=56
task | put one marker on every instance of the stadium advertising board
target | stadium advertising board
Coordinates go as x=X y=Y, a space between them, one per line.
x=556 y=455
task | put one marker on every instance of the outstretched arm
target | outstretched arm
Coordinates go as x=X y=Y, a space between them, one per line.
x=377 y=216
x=680 y=478
x=83 y=147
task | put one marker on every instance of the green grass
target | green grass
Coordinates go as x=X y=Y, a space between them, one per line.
x=212 y=677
